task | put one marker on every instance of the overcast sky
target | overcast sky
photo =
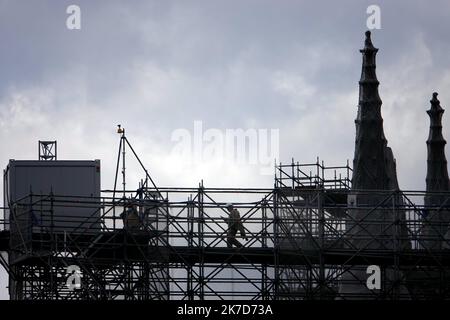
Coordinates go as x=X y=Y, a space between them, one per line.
x=158 y=66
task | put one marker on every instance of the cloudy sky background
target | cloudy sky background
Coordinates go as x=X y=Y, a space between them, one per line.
x=157 y=66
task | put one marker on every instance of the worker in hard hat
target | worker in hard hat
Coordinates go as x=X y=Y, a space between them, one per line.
x=234 y=224
x=130 y=217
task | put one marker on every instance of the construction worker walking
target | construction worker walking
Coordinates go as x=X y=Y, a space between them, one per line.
x=234 y=224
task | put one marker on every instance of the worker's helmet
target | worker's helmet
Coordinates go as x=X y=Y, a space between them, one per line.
x=229 y=206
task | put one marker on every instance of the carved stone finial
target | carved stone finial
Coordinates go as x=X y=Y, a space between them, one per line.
x=368 y=42
x=435 y=94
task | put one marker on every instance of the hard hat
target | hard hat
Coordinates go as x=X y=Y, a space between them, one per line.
x=229 y=205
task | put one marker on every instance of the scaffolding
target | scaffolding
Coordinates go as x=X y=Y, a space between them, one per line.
x=299 y=243
x=171 y=243
x=305 y=190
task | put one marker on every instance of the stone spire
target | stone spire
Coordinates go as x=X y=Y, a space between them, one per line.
x=437 y=173
x=370 y=170
x=373 y=169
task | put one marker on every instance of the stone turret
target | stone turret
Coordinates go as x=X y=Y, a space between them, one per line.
x=436 y=218
x=437 y=173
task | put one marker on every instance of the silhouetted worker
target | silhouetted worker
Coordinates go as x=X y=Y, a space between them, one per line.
x=130 y=217
x=234 y=224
